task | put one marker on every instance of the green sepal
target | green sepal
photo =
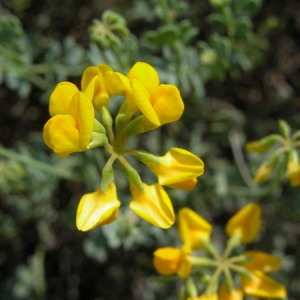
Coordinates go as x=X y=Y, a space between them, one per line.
x=213 y=285
x=107 y=176
x=98 y=140
x=145 y=157
x=265 y=144
x=293 y=156
x=98 y=127
x=138 y=125
x=106 y=117
x=191 y=288
x=284 y=128
x=132 y=173
x=242 y=271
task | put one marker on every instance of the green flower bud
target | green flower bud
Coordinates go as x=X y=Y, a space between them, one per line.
x=98 y=127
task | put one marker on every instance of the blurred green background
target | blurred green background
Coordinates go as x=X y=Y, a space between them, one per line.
x=236 y=63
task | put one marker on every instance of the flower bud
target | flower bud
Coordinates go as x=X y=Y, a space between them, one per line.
x=246 y=222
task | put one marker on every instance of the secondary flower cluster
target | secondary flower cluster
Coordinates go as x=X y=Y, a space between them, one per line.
x=220 y=276
x=284 y=160
x=81 y=120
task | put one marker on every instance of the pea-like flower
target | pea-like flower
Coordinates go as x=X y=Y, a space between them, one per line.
x=97 y=208
x=169 y=261
x=70 y=128
x=178 y=168
x=74 y=127
x=193 y=229
x=152 y=204
x=227 y=276
x=159 y=103
x=246 y=223
x=99 y=83
x=259 y=284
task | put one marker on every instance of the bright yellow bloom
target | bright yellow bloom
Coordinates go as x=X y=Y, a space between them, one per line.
x=205 y=297
x=70 y=128
x=263 y=173
x=262 y=261
x=234 y=294
x=246 y=222
x=159 y=103
x=178 y=168
x=261 y=285
x=153 y=205
x=192 y=228
x=293 y=173
x=61 y=98
x=97 y=208
x=168 y=261
x=100 y=82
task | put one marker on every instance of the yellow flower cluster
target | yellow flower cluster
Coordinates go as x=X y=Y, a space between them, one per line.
x=82 y=120
x=233 y=275
x=283 y=161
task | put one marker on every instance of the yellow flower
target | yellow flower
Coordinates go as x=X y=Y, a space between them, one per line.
x=61 y=98
x=159 y=103
x=169 y=261
x=246 y=222
x=213 y=296
x=293 y=173
x=234 y=294
x=262 y=261
x=152 y=204
x=70 y=128
x=178 y=168
x=192 y=228
x=100 y=82
x=263 y=173
x=261 y=285
x=97 y=208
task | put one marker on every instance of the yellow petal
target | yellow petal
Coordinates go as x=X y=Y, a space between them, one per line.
x=141 y=98
x=205 y=297
x=82 y=111
x=114 y=83
x=167 y=260
x=192 y=228
x=61 y=135
x=145 y=74
x=234 y=294
x=90 y=81
x=293 y=173
x=246 y=222
x=100 y=83
x=61 y=97
x=167 y=103
x=261 y=285
x=178 y=166
x=263 y=173
x=262 y=261
x=97 y=208
x=153 y=205
x=187 y=185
